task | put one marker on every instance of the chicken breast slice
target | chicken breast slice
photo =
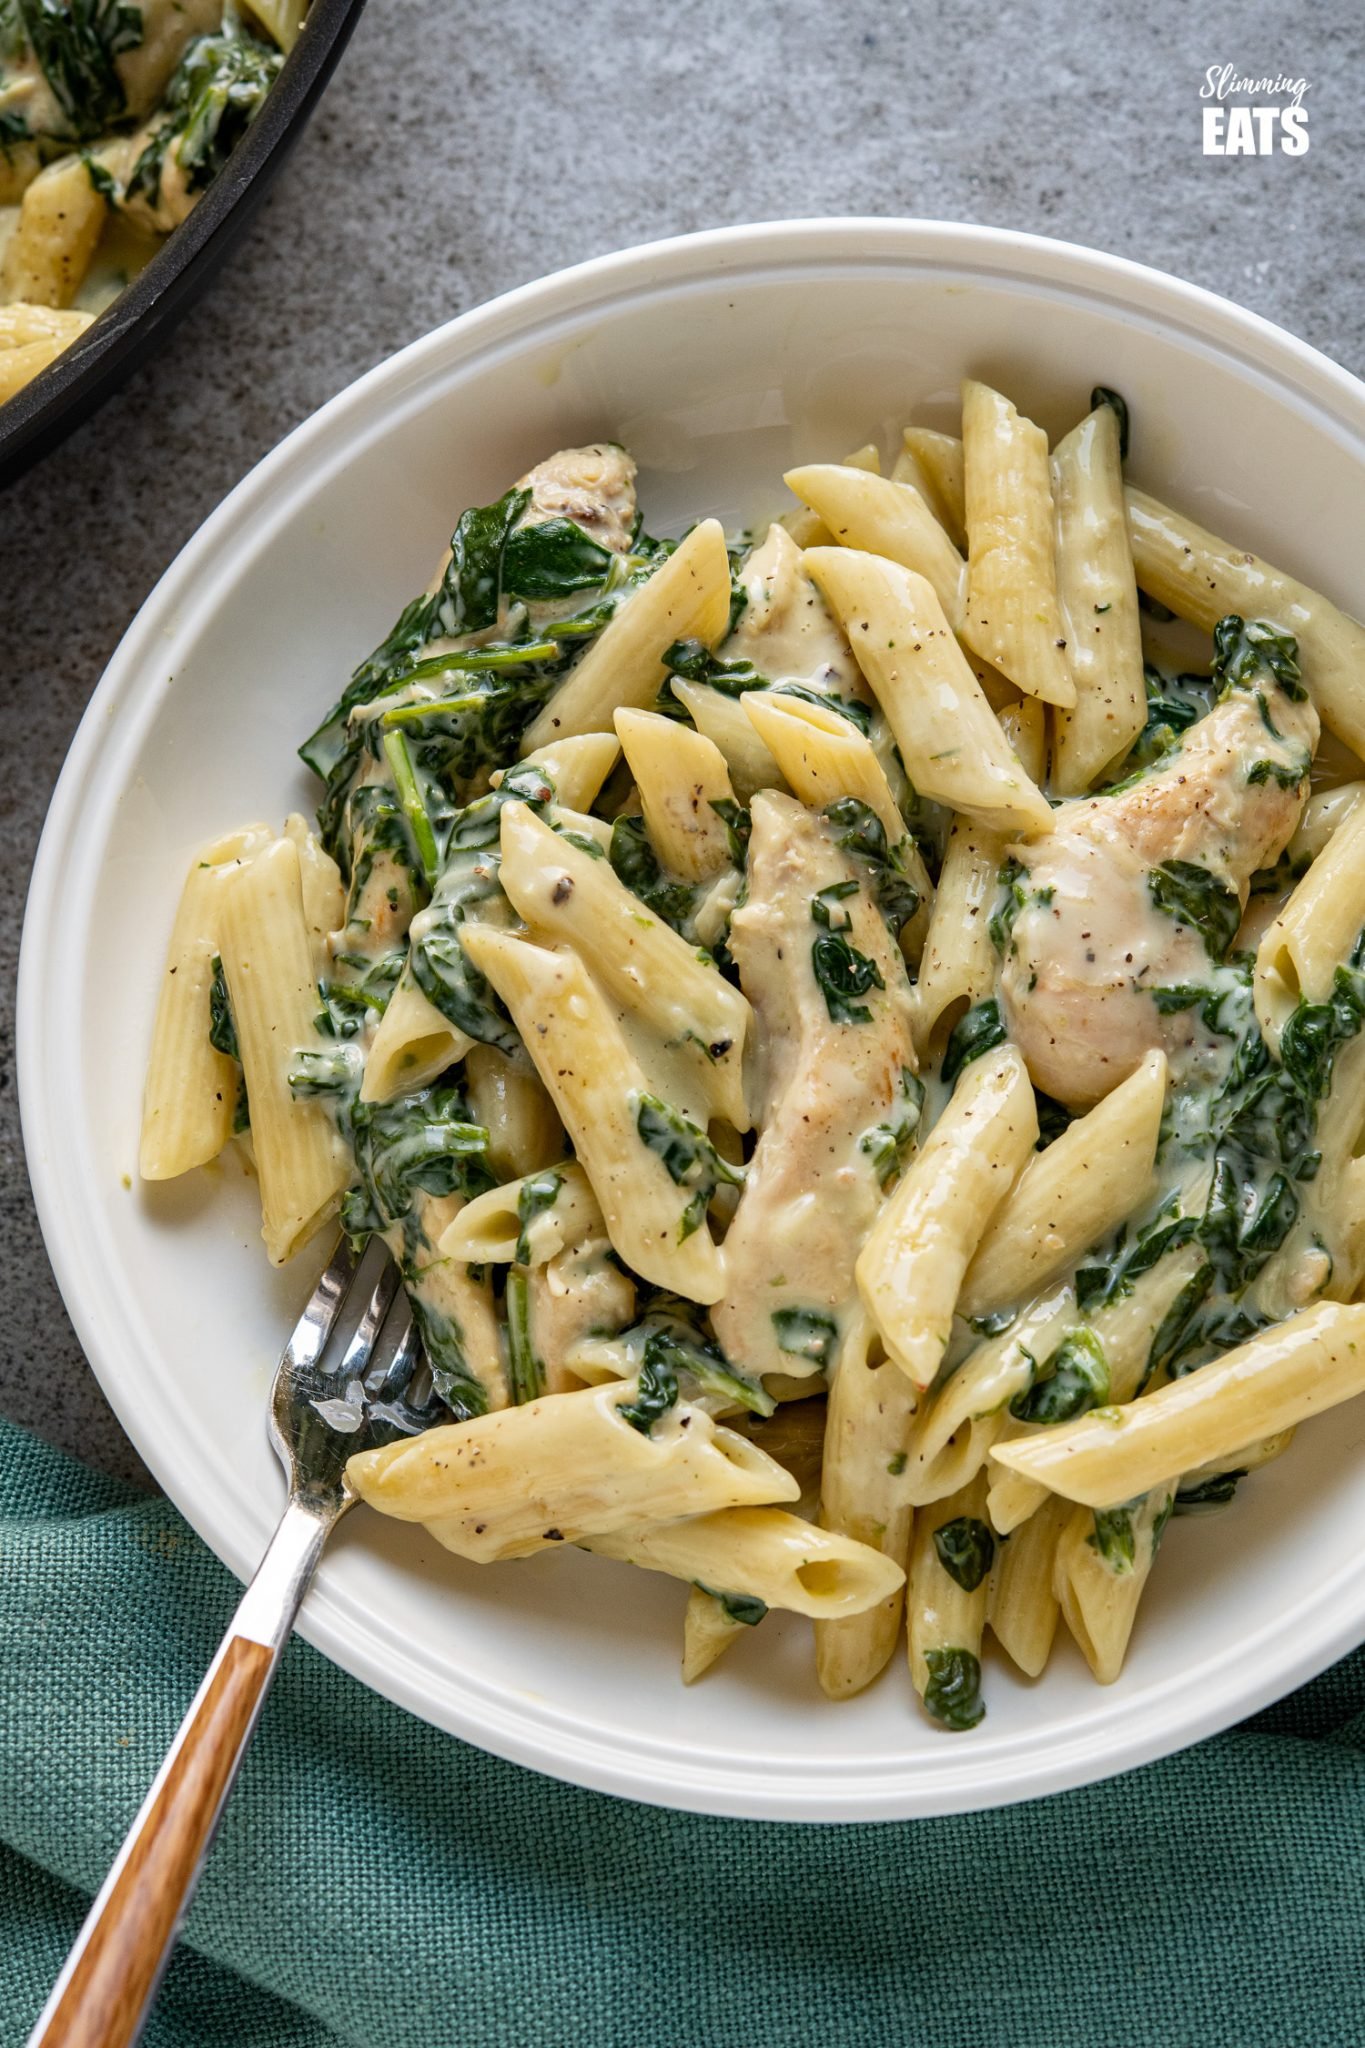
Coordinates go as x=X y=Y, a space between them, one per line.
x=1091 y=942
x=826 y=1085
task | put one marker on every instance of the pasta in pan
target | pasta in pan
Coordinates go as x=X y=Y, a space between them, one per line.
x=835 y=962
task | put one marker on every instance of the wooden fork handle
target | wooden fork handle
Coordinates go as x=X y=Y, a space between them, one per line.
x=102 y=1996
x=124 y=1948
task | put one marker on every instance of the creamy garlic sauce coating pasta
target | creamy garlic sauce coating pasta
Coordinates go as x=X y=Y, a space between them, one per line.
x=844 y=961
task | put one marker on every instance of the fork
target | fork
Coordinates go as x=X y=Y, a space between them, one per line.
x=318 y=1417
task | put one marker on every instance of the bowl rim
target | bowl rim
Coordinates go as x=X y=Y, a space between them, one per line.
x=1263 y=1665
x=75 y=382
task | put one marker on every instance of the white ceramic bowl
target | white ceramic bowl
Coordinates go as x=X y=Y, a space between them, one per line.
x=720 y=359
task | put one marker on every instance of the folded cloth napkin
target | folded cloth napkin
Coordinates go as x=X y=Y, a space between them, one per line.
x=376 y=1883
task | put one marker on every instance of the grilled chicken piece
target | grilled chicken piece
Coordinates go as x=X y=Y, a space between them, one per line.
x=786 y=629
x=594 y=486
x=1090 y=941
x=825 y=1084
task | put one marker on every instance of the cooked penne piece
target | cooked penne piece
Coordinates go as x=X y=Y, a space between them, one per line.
x=650 y=971
x=1098 y=594
x=958 y=964
x=759 y=1551
x=722 y=720
x=883 y=517
x=1072 y=1195
x=911 y=1268
x=822 y=757
x=509 y=1099
x=529 y=1220
x=562 y=1469
x=862 y=1495
x=945 y=1605
x=414 y=1043
x=1023 y=1606
x=191 y=1093
x=1309 y=1362
x=1203 y=578
x=710 y=1626
x=647 y=1164
x=268 y=967
x=1013 y=617
x=578 y=1295
x=576 y=767
x=940 y=473
x=950 y=739
x=60 y=218
x=1316 y=931
x=683 y=783
x=687 y=597
x=1101 y=1567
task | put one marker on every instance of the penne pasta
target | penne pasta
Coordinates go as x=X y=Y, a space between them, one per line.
x=761 y=1552
x=883 y=517
x=560 y=1470
x=1309 y=1363
x=685 y=793
x=1097 y=591
x=647 y=1165
x=912 y=1265
x=1013 y=615
x=950 y=739
x=1070 y=1196
x=687 y=597
x=268 y=967
x=191 y=1094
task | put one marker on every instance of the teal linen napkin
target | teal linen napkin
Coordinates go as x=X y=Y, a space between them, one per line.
x=378 y=1884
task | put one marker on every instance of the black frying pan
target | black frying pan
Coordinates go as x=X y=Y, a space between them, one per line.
x=61 y=396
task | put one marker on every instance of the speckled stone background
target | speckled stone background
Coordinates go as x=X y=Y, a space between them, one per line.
x=465 y=146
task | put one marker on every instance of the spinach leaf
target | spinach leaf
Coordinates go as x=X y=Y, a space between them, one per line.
x=843 y=974
x=637 y=865
x=1010 y=901
x=738 y=826
x=1102 y=395
x=76 y=43
x=682 y=1349
x=953 y=1694
x=211 y=98
x=695 y=663
x=1247 y=650
x=745 y=1608
x=1114 y=1538
x=418 y=1142
x=14 y=130
x=688 y=1156
x=889 y=1144
x=537 y=1193
x=443 y=1342
x=656 y=1391
x=553 y=559
x=470 y=879
x=979 y=1030
x=966 y=1550
x=467 y=601
x=859 y=831
x=1288 y=774
x=525 y=1373
x=1071 y=1381
x=222 y=1028
x=1193 y=896
x=1315 y=1032
x=324 y=750
x=807 y=1333
x=824 y=906
x=1208 y=1493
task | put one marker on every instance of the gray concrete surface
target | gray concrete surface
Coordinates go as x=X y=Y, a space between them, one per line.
x=468 y=145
